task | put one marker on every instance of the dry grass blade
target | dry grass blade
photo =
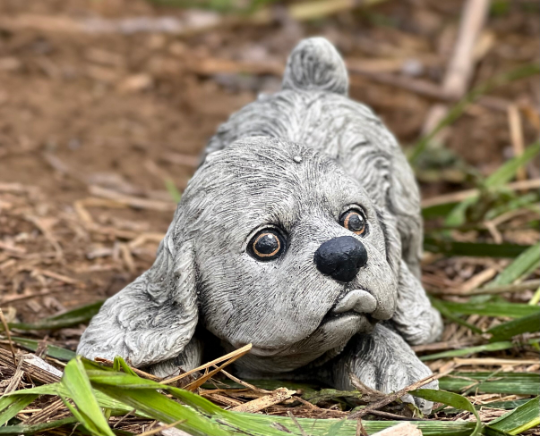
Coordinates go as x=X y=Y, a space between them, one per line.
x=34 y=366
x=393 y=397
x=488 y=361
x=456 y=197
x=8 y=334
x=135 y=202
x=229 y=358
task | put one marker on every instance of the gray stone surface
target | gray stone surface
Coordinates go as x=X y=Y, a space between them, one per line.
x=300 y=233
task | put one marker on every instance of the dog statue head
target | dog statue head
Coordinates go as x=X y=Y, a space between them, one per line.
x=272 y=244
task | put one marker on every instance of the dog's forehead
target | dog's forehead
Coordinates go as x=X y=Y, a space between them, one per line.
x=277 y=177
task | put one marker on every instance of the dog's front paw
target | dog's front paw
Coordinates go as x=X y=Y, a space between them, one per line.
x=397 y=375
x=383 y=361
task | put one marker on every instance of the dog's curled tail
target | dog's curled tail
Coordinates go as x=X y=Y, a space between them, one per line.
x=315 y=65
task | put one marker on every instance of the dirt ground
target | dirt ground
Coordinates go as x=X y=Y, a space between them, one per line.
x=92 y=126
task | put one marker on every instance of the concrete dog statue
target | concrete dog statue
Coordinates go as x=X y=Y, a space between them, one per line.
x=301 y=234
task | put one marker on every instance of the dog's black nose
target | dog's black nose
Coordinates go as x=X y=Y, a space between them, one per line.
x=341 y=258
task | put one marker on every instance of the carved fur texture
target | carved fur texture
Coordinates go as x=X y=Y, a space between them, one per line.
x=290 y=164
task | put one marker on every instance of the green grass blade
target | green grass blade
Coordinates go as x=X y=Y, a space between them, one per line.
x=22 y=429
x=495 y=346
x=501 y=383
x=447 y=313
x=519 y=420
x=518 y=267
x=496 y=180
x=438 y=210
x=508 y=170
x=510 y=310
x=172 y=190
x=52 y=350
x=164 y=409
x=508 y=330
x=80 y=391
x=10 y=406
x=87 y=311
x=449 y=247
x=86 y=422
x=507 y=405
x=69 y=319
x=450 y=399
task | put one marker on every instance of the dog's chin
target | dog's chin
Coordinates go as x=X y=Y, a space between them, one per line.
x=334 y=330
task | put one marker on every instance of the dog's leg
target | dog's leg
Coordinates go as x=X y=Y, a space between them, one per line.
x=382 y=361
x=415 y=319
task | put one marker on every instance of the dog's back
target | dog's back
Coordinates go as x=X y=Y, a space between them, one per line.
x=314 y=109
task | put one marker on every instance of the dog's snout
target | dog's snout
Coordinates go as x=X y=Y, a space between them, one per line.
x=341 y=258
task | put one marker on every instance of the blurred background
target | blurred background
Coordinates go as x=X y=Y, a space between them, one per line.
x=105 y=107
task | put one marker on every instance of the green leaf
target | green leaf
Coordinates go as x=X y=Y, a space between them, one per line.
x=450 y=399
x=72 y=318
x=510 y=310
x=502 y=383
x=52 y=350
x=80 y=391
x=449 y=247
x=519 y=420
x=519 y=266
x=508 y=330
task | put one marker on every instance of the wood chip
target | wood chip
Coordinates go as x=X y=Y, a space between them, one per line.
x=403 y=429
x=278 y=396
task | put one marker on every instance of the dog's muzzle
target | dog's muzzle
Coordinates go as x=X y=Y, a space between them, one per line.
x=341 y=258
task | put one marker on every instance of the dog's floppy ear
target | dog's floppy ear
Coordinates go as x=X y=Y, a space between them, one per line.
x=414 y=319
x=153 y=318
x=392 y=239
x=315 y=65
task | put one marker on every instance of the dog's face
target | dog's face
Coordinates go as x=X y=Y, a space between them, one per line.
x=290 y=252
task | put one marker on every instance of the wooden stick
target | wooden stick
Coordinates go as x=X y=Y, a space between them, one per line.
x=516 y=136
x=461 y=64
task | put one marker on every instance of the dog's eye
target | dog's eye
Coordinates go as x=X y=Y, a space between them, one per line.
x=268 y=244
x=354 y=221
